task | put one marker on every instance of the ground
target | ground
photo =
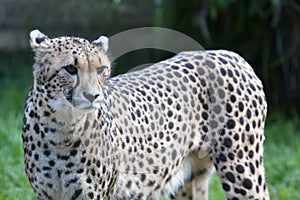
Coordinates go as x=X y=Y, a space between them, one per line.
x=282 y=139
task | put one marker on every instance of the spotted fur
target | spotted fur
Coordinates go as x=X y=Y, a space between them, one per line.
x=157 y=132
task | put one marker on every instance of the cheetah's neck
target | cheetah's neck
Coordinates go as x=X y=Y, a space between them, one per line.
x=68 y=142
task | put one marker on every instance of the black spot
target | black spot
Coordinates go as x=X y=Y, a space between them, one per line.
x=168 y=179
x=133 y=103
x=168 y=138
x=230 y=74
x=248 y=114
x=198 y=57
x=257 y=189
x=175 y=67
x=243 y=192
x=227 y=142
x=228 y=108
x=251 y=139
x=247 y=183
x=232 y=98
x=143 y=177
x=259 y=180
x=159 y=85
x=32 y=146
x=241 y=120
x=31 y=114
x=247 y=127
x=151 y=183
x=177 y=74
x=252 y=87
x=257 y=148
x=73 y=152
x=204 y=115
x=222 y=61
x=230 y=124
x=150 y=161
x=185 y=71
x=236 y=137
x=86 y=125
x=141 y=164
x=240 y=169
x=128 y=184
x=76 y=144
x=83 y=159
x=93 y=172
x=170 y=101
x=76 y=194
x=46 y=113
x=36 y=128
x=250 y=154
x=205 y=106
x=230 y=177
x=171 y=125
x=231 y=156
x=190 y=66
x=222 y=158
x=133 y=116
x=226 y=187
x=51 y=163
x=192 y=78
x=47 y=153
x=230 y=87
x=203 y=83
x=98 y=163
x=223 y=71
x=63 y=157
x=36 y=156
x=174 y=154
x=140 y=196
x=200 y=70
x=91 y=195
x=170 y=113
x=210 y=64
x=103 y=169
x=175 y=136
x=74 y=180
x=69 y=165
x=240 y=154
x=88 y=180
x=205 y=129
x=252 y=169
x=161 y=135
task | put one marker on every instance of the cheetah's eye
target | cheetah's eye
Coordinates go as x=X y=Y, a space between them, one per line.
x=101 y=69
x=71 y=69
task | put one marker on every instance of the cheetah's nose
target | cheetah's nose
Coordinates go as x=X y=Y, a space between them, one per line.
x=91 y=97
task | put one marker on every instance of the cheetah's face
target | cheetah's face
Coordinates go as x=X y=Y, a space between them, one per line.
x=71 y=71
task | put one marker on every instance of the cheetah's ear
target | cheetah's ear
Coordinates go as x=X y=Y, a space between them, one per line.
x=101 y=42
x=38 y=40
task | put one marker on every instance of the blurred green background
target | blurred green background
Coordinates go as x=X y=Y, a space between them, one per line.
x=265 y=32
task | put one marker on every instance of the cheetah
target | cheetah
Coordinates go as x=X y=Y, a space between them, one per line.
x=148 y=134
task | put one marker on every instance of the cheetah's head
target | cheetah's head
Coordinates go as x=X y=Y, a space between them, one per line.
x=70 y=70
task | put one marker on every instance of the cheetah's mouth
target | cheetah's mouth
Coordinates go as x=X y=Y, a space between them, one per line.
x=70 y=99
x=69 y=96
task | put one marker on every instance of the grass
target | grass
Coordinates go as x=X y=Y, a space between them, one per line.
x=282 y=149
x=14 y=86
